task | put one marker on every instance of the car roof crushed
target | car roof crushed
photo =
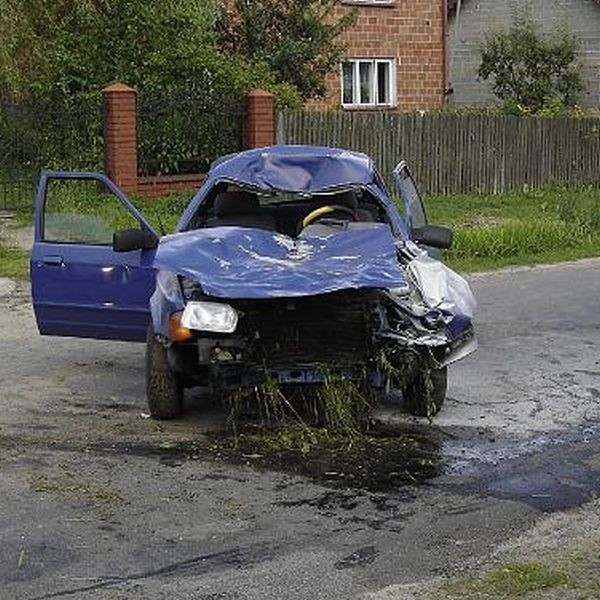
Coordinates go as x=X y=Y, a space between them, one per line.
x=300 y=169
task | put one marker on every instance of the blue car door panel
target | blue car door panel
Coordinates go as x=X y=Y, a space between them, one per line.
x=81 y=287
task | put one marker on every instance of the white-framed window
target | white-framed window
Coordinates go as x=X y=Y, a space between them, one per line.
x=368 y=82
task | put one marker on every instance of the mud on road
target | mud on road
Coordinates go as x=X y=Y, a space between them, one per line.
x=98 y=501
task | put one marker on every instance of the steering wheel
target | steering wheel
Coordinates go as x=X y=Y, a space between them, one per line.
x=326 y=210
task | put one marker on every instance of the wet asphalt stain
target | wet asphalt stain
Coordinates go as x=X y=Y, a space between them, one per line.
x=328 y=503
x=384 y=459
x=556 y=480
x=359 y=509
x=549 y=473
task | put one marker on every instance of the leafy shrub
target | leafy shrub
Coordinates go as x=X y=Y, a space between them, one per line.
x=530 y=72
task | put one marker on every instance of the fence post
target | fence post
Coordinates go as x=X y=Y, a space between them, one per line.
x=120 y=141
x=260 y=119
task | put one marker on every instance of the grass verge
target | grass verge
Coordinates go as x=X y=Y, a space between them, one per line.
x=528 y=227
x=14 y=262
x=86 y=199
x=574 y=576
x=519 y=228
x=511 y=580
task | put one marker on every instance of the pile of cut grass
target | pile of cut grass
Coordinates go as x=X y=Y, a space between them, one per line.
x=339 y=405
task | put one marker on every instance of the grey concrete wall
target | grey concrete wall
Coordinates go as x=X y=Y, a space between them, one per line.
x=478 y=17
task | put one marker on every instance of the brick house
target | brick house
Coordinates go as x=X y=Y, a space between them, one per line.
x=395 y=56
x=478 y=17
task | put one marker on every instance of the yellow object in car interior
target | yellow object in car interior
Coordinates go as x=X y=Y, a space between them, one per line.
x=315 y=214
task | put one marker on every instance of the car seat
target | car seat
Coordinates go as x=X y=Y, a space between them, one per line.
x=240 y=209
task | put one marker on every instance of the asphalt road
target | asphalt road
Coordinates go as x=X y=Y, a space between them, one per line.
x=97 y=501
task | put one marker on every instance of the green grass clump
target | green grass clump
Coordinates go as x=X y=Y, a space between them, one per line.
x=528 y=227
x=346 y=404
x=513 y=580
x=339 y=404
x=88 y=198
x=14 y=262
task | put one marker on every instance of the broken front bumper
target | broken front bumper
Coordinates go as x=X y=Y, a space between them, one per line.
x=299 y=341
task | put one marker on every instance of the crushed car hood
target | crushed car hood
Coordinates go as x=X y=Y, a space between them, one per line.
x=236 y=262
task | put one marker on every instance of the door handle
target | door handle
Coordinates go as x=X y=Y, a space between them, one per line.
x=53 y=260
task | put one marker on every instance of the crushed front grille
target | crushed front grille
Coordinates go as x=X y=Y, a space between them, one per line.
x=330 y=328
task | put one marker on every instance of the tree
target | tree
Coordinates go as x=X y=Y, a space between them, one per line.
x=67 y=50
x=298 y=39
x=530 y=71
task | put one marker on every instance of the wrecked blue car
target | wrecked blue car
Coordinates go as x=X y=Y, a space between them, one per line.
x=289 y=263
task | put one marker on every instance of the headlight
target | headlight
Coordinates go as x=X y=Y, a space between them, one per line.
x=210 y=316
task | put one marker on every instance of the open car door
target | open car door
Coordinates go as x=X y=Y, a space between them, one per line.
x=81 y=286
x=414 y=210
x=430 y=238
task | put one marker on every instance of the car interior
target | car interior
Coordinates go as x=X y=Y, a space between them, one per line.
x=285 y=213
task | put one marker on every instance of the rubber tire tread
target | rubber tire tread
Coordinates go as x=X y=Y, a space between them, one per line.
x=164 y=390
x=424 y=395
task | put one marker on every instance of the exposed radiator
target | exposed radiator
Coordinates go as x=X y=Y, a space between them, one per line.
x=331 y=328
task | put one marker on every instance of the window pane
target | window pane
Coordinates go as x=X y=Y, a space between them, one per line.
x=415 y=204
x=348 y=83
x=83 y=211
x=383 y=83
x=366 y=82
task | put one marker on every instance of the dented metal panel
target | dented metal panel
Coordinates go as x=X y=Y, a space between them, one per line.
x=235 y=262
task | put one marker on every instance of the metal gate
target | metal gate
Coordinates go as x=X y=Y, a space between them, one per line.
x=40 y=134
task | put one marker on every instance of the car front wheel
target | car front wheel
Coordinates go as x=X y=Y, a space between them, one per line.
x=425 y=393
x=164 y=390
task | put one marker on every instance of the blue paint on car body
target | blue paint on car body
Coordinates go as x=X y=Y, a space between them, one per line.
x=234 y=262
x=88 y=290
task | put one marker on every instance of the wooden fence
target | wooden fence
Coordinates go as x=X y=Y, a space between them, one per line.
x=459 y=153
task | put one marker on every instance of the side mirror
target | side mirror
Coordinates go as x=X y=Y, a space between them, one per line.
x=433 y=235
x=128 y=240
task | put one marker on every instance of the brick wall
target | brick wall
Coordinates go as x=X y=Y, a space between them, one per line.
x=477 y=17
x=156 y=187
x=412 y=33
x=119 y=132
x=120 y=140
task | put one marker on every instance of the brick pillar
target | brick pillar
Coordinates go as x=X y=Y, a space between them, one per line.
x=120 y=140
x=260 y=119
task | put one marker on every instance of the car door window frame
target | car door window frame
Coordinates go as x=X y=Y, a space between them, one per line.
x=400 y=174
x=40 y=201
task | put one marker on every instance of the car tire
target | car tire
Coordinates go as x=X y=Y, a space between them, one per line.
x=425 y=393
x=164 y=389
